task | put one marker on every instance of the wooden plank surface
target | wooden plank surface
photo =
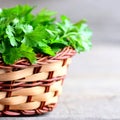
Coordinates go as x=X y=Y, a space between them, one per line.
x=91 y=90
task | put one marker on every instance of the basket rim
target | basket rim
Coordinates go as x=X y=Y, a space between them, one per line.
x=65 y=53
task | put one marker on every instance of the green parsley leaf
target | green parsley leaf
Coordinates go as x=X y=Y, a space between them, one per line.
x=26 y=28
x=44 y=17
x=45 y=49
x=33 y=38
x=85 y=35
x=10 y=34
x=2 y=47
x=13 y=54
x=24 y=34
x=27 y=52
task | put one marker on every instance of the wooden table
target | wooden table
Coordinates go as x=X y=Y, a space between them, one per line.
x=91 y=90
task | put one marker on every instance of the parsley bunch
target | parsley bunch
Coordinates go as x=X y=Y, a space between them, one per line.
x=23 y=34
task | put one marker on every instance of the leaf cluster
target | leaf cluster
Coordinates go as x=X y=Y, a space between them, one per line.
x=24 y=34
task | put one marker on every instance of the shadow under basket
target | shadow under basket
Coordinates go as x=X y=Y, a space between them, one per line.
x=33 y=89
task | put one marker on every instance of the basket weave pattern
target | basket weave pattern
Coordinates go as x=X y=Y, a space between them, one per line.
x=33 y=89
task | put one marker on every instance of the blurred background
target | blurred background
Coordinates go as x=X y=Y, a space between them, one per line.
x=102 y=64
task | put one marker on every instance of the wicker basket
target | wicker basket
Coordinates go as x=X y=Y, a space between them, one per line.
x=33 y=89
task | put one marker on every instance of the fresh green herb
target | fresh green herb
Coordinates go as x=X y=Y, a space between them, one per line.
x=23 y=34
x=13 y=54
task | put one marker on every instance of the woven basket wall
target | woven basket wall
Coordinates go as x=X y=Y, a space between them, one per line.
x=33 y=89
